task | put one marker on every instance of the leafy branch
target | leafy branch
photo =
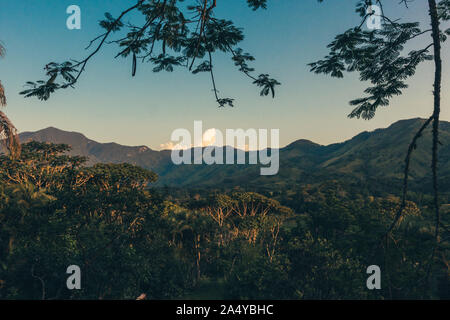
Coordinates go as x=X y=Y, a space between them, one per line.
x=171 y=36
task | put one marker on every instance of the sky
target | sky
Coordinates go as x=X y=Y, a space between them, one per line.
x=108 y=105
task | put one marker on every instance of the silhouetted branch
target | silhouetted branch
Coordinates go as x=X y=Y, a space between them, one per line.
x=411 y=148
x=105 y=36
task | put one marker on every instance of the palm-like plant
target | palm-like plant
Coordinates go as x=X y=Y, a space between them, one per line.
x=2 y=90
x=8 y=133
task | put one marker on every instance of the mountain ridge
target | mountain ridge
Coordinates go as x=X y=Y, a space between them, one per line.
x=377 y=154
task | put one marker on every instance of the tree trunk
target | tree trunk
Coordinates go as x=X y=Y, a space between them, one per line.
x=436 y=112
x=437 y=103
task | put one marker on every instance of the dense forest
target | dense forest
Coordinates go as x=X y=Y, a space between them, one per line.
x=129 y=238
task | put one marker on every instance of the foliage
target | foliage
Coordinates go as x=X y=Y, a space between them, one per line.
x=8 y=133
x=175 y=34
x=129 y=239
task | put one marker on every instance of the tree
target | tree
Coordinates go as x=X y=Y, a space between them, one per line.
x=55 y=212
x=8 y=133
x=173 y=35
x=378 y=56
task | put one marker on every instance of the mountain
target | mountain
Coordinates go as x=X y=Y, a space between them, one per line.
x=100 y=152
x=371 y=157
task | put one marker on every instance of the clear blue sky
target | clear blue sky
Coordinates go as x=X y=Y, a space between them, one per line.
x=109 y=105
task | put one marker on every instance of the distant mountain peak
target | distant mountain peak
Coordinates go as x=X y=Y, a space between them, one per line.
x=411 y=121
x=302 y=143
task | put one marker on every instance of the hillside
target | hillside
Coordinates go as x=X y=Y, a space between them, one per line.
x=100 y=152
x=372 y=157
